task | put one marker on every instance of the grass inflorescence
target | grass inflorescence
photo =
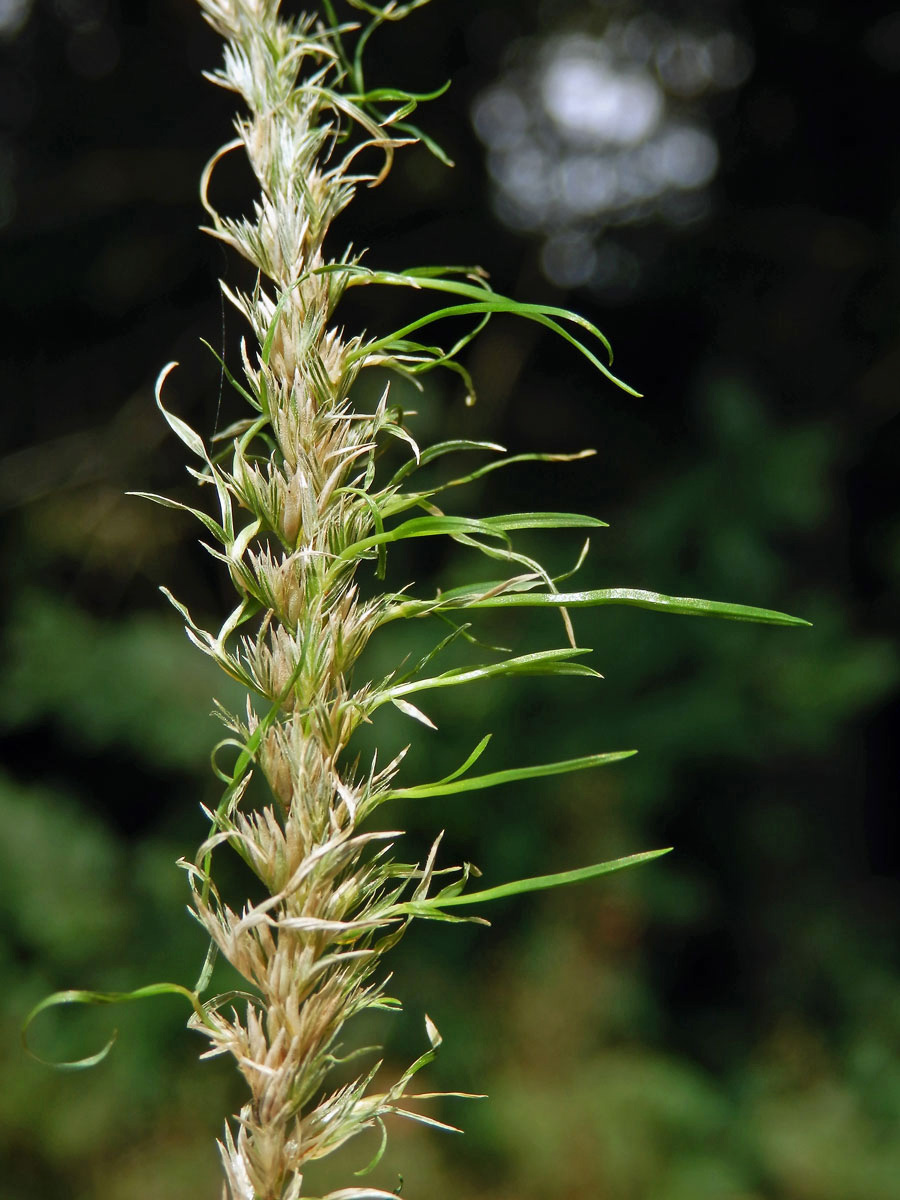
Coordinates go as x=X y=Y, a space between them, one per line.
x=302 y=505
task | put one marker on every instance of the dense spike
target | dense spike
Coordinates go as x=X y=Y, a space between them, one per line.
x=302 y=509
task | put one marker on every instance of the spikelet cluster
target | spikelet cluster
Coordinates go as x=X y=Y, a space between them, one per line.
x=293 y=501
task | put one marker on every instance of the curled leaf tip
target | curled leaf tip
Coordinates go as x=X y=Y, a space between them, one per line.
x=81 y=996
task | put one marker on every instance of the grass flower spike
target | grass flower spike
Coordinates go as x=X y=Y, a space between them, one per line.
x=302 y=517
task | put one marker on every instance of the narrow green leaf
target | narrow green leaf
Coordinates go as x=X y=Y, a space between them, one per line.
x=180 y=428
x=379 y=1153
x=211 y=525
x=477 y=292
x=470 y=761
x=390 y=95
x=486 y=588
x=480 y=302
x=457 y=631
x=537 y=883
x=542 y=662
x=419 y=527
x=434 y=526
x=386 y=12
x=517 y=594
x=544 y=520
x=532 y=312
x=206 y=971
x=427 y=141
x=58 y=999
x=449 y=787
x=475 y=274
x=415 y=358
x=478 y=643
x=437 y=451
x=683 y=605
x=239 y=388
x=511 y=460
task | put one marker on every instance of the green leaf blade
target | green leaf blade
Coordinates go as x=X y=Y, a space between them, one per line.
x=473 y=596
x=80 y=996
x=544 y=520
x=541 y=662
x=453 y=785
x=537 y=883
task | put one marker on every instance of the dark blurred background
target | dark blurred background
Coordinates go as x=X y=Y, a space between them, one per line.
x=715 y=184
